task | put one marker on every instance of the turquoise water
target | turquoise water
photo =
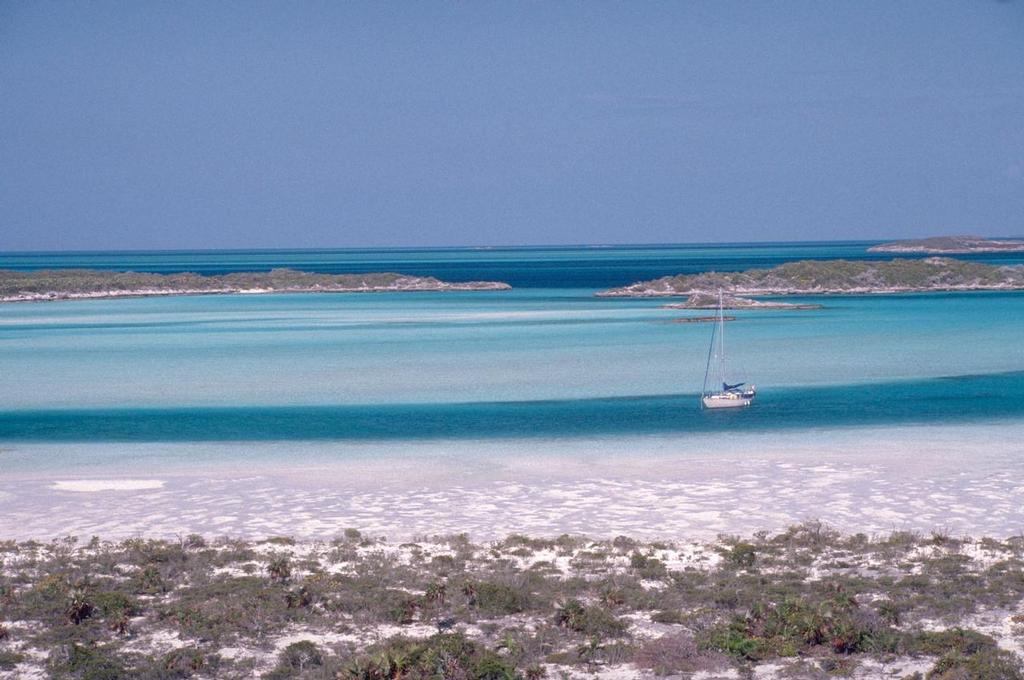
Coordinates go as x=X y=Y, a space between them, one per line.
x=542 y=360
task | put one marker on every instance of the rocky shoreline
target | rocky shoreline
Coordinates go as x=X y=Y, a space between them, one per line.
x=84 y=284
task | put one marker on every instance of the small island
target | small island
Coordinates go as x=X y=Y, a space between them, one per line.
x=698 y=319
x=950 y=245
x=705 y=300
x=823 y=277
x=74 y=284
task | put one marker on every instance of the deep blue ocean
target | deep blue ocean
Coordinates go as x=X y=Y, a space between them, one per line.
x=522 y=267
x=547 y=359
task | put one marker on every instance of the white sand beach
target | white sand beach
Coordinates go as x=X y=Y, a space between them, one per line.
x=859 y=480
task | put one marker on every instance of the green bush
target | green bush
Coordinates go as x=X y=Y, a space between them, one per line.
x=295 y=659
x=734 y=641
x=989 y=664
x=496 y=599
x=445 y=655
x=184 y=662
x=647 y=567
x=8 y=660
x=227 y=607
x=112 y=604
x=279 y=569
x=194 y=542
x=147 y=581
x=742 y=555
x=796 y=624
x=88 y=662
x=675 y=654
x=592 y=621
x=401 y=608
x=955 y=640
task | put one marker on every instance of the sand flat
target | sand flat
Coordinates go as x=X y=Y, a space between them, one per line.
x=94 y=485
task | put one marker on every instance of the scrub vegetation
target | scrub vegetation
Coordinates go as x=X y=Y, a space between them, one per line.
x=808 y=602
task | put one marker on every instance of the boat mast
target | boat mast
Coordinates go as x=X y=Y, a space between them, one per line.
x=707 y=367
x=721 y=339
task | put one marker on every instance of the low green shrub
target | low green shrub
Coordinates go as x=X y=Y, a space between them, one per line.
x=295 y=659
x=496 y=599
x=278 y=540
x=741 y=555
x=8 y=660
x=148 y=581
x=227 y=607
x=989 y=664
x=960 y=641
x=676 y=654
x=184 y=662
x=592 y=621
x=647 y=567
x=401 y=607
x=88 y=662
x=445 y=655
x=797 y=625
x=279 y=568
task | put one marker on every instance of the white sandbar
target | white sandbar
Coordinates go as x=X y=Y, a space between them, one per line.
x=91 y=485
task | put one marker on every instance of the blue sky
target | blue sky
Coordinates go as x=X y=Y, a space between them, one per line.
x=209 y=125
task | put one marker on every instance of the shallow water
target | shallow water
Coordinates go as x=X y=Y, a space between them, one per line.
x=544 y=382
x=488 y=349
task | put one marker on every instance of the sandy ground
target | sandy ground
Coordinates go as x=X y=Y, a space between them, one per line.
x=856 y=484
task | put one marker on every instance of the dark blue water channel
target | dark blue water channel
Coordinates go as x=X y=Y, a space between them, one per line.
x=955 y=399
x=522 y=267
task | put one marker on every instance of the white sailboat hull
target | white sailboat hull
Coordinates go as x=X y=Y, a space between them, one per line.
x=726 y=401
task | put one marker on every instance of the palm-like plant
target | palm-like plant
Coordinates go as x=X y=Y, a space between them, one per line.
x=120 y=624
x=436 y=594
x=78 y=608
x=386 y=665
x=279 y=569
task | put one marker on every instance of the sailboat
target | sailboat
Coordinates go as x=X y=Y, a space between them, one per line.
x=731 y=395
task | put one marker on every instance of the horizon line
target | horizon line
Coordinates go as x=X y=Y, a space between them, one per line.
x=468 y=247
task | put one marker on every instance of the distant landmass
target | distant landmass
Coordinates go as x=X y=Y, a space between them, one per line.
x=70 y=284
x=950 y=245
x=814 y=277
